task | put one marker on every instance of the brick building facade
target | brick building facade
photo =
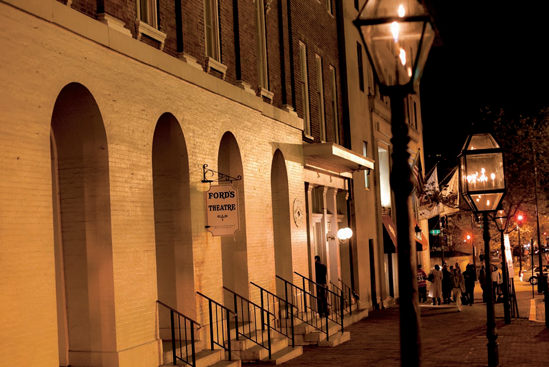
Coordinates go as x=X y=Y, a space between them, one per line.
x=112 y=110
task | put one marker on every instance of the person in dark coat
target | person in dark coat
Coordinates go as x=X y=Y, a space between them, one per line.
x=482 y=282
x=446 y=290
x=320 y=272
x=469 y=275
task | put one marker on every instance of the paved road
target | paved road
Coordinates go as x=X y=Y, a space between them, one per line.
x=449 y=338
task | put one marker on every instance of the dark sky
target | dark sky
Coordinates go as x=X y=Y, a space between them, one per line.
x=492 y=54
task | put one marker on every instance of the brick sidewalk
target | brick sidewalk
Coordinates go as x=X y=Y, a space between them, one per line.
x=449 y=338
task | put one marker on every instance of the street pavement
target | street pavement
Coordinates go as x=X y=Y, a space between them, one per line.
x=448 y=337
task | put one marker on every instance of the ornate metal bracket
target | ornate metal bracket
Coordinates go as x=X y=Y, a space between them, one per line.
x=221 y=177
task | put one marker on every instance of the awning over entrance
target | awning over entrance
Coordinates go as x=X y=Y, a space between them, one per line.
x=335 y=158
x=390 y=242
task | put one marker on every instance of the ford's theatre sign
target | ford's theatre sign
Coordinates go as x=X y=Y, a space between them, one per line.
x=222 y=210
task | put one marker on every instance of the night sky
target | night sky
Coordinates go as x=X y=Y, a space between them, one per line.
x=492 y=54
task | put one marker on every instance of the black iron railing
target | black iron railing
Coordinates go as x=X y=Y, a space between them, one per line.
x=220 y=318
x=183 y=337
x=249 y=315
x=307 y=305
x=334 y=301
x=346 y=293
x=284 y=311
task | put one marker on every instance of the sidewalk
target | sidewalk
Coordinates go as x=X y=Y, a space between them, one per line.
x=448 y=338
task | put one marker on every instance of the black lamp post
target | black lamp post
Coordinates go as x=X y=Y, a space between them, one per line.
x=501 y=223
x=482 y=185
x=397 y=36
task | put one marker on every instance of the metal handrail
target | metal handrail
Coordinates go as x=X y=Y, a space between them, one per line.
x=224 y=322
x=285 y=311
x=251 y=309
x=346 y=293
x=177 y=350
x=334 y=300
x=299 y=297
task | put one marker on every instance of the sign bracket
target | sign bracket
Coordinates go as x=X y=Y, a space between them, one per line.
x=221 y=177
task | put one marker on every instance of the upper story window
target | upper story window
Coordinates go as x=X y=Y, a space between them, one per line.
x=304 y=88
x=360 y=66
x=415 y=115
x=329 y=6
x=356 y=4
x=147 y=12
x=320 y=88
x=262 y=44
x=333 y=81
x=366 y=172
x=211 y=21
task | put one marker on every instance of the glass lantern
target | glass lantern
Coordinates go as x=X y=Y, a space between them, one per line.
x=482 y=177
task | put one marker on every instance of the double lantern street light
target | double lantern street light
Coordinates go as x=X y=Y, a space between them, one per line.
x=397 y=35
x=482 y=185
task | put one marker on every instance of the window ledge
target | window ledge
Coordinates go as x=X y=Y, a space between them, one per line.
x=113 y=23
x=216 y=65
x=145 y=29
x=266 y=93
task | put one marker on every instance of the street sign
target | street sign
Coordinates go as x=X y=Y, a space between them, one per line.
x=434 y=231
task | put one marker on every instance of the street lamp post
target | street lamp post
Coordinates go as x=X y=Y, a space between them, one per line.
x=397 y=37
x=482 y=185
x=501 y=223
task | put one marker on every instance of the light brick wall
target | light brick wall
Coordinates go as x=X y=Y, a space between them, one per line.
x=131 y=97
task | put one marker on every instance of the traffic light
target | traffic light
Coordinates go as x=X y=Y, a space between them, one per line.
x=520 y=219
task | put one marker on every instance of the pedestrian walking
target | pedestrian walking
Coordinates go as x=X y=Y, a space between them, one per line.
x=495 y=277
x=482 y=282
x=457 y=282
x=469 y=275
x=437 y=285
x=446 y=290
x=320 y=272
x=422 y=284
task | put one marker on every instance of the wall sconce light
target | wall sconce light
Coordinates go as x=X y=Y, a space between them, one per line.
x=344 y=234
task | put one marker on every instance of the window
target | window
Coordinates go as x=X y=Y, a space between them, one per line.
x=366 y=176
x=333 y=81
x=320 y=88
x=146 y=12
x=329 y=6
x=384 y=173
x=415 y=115
x=360 y=66
x=211 y=21
x=356 y=4
x=304 y=88
x=261 y=45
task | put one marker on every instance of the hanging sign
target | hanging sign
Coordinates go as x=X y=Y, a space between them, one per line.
x=222 y=210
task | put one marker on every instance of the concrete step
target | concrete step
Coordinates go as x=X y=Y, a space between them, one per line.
x=204 y=358
x=283 y=356
x=336 y=339
x=235 y=363
x=182 y=349
x=257 y=352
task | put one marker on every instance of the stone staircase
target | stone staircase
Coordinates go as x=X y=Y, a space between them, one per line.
x=248 y=351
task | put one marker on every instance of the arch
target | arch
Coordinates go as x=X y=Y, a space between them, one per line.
x=82 y=225
x=281 y=220
x=234 y=248
x=172 y=218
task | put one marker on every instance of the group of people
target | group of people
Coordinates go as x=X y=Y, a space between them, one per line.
x=448 y=285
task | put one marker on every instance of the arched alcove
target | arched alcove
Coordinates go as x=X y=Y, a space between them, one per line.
x=82 y=225
x=172 y=218
x=234 y=248
x=281 y=220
